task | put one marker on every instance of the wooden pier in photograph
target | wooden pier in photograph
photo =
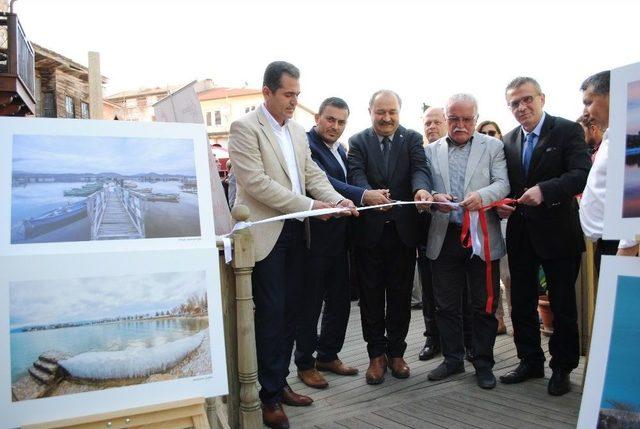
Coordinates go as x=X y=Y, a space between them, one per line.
x=416 y=402
x=116 y=214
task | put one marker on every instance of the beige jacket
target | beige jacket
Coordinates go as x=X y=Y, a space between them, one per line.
x=264 y=185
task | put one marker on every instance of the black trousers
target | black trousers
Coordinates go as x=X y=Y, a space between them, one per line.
x=386 y=273
x=454 y=270
x=561 y=274
x=277 y=286
x=429 y=306
x=326 y=280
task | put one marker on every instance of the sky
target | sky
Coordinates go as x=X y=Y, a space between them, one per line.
x=633 y=108
x=94 y=298
x=127 y=156
x=423 y=50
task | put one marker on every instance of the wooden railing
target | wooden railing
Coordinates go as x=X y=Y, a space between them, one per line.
x=17 y=68
x=134 y=204
x=242 y=408
x=96 y=203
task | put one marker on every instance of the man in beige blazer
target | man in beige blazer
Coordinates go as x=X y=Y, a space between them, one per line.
x=275 y=173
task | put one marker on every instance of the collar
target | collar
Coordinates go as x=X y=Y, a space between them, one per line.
x=272 y=121
x=380 y=138
x=319 y=138
x=451 y=142
x=537 y=128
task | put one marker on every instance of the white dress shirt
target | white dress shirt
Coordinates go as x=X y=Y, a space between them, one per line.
x=593 y=197
x=334 y=150
x=286 y=145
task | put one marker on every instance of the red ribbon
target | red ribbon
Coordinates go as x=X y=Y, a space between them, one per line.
x=467 y=242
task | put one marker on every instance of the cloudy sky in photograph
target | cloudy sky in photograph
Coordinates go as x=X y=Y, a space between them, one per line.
x=91 y=298
x=87 y=154
x=633 y=108
x=424 y=50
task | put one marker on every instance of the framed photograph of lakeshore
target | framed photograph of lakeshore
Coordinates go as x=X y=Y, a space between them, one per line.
x=72 y=185
x=611 y=396
x=93 y=333
x=622 y=208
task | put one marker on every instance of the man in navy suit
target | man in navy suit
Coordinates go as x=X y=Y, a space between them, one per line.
x=388 y=156
x=326 y=259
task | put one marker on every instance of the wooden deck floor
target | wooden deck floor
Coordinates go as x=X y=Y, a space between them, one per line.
x=415 y=402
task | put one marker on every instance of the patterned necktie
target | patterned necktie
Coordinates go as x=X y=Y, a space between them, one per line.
x=386 y=147
x=528 y=151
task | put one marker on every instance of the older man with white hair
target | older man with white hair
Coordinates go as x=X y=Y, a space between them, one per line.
x=470 y=168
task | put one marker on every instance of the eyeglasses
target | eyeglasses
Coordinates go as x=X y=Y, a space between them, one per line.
x=491 y=133
x=528 y=99
x=467 y=120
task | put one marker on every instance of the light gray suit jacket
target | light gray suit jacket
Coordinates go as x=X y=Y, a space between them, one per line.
x=263 y=180
x=486 y=174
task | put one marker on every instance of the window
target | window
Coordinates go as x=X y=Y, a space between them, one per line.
x=218 y=117
x=84 y=110
x=208 y=119
x=49 y=100
x=69 y=108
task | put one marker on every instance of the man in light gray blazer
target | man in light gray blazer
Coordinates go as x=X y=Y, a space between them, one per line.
x=469 y=168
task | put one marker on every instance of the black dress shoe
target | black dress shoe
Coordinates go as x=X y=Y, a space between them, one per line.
x=430 y=350
x=443 y=371
x=485 y=378
x=523 y=371
x=559 y=383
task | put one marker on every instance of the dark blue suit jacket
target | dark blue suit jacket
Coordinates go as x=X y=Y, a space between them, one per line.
x=330 y=237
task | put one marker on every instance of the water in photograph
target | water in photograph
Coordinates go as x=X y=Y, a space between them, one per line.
x=622 y=379
x=162 y=218
x=26 y=347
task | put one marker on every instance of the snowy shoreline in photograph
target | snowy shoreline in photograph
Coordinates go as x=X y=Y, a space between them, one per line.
x=131 y=363
x=195 y=362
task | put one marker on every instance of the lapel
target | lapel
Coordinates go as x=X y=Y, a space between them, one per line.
x=478 y=146
x=268 y=132
x=300 y=146
x=376 y=153
x=543 y=141
x=442 y=154
x=329 y=158
x=396 y=146
x=343 y=156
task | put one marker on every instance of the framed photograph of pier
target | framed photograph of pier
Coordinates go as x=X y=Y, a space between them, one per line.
x=92 y=333
x=73 y=185
x=611 y=396
x=622 y=208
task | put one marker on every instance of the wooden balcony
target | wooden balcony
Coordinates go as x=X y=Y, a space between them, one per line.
x=17 y=72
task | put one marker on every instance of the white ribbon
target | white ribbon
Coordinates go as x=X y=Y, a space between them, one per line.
x=319 y=212
x=228 y=254
x=476 y=244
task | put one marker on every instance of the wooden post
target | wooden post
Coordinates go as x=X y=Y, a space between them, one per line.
x=243 y=262
x=229 y=316
x=95 y=86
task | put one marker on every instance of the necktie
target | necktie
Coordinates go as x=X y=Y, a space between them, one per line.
x=528 y=151
x=386 y=143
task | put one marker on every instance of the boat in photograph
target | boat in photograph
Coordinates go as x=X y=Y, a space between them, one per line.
x=170 y=198
x=54 y=219
x=85 y=191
